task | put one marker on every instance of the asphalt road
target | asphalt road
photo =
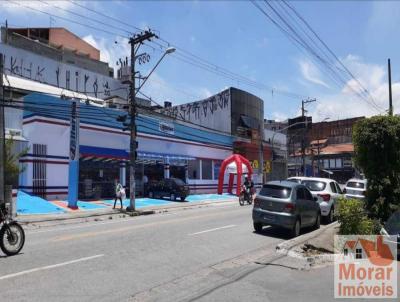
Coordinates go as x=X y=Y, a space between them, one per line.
x=199 y=254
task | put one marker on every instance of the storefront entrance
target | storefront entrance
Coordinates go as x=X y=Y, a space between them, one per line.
x=97 y=178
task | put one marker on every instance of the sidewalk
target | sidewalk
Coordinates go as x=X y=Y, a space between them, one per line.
x=35 y=209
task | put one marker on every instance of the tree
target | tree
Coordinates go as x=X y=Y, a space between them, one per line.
x=377 y=153
x=12 y=167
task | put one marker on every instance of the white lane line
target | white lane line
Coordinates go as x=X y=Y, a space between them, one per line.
x=212 y=230
x=33 y=270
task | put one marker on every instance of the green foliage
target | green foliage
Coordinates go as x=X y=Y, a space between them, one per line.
x=353 y=218
x=377 y=153
x=12 y=167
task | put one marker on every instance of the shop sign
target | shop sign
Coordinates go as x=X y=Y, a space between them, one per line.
x=166 y=127
x=74 y=133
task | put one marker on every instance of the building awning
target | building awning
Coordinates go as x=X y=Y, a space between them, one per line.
x=99 y=152
x=153 y=155
x=118 y=154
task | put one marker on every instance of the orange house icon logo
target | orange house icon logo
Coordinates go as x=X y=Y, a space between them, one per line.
x=378 y=253
x=365 y=267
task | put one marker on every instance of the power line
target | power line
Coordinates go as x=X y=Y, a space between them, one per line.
x=105 y=16
x=68 y=20
x=218 y=70
x=85 y=17
x=327 y=47
x=322 y=59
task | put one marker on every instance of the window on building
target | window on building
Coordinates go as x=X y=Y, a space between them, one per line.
x=206 y=168
x=339 y=163
x=194 y=169
x=217 y=167
x=326 y=163
x=332 y=163
x=358 y=253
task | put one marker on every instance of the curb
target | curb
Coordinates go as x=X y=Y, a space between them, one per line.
x=27 y=219
x=285 y=248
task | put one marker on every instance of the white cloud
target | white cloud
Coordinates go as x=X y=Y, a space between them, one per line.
x=110 y=51
x=346 y=103
x=311 y=73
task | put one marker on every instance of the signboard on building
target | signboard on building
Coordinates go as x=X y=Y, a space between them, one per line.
x=166 y=127
x=27 y=65
x=213 y=112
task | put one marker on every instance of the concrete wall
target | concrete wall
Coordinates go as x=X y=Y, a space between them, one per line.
x=61 y=37
x=28 y=65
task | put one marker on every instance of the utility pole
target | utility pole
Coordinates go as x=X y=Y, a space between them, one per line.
x=303 y=151
x=390 y=89
x=135 y=42
x=2 y=133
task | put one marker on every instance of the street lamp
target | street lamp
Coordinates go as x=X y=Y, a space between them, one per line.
x=137 y=40
x=168 y=51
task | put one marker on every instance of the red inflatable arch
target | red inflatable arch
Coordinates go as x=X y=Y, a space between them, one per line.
x=239 y=161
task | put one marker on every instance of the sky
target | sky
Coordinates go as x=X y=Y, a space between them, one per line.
x=236 y=36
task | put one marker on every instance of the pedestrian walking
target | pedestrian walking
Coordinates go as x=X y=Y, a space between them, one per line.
x=119 y=189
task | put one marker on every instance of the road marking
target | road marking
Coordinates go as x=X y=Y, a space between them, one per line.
x=94 y=224
x=212 y=230
x=132 y=227
x=34 y=270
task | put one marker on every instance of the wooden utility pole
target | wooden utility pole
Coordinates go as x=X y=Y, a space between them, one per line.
x=303 y=151
x=2 y=133
x=135 y=42
x=390 y=89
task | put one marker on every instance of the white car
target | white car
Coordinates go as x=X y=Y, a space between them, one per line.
x=326 y=190
x=355 y=188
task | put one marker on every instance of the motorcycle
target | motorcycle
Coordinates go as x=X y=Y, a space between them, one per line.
x=245 y=195
x=12 y=235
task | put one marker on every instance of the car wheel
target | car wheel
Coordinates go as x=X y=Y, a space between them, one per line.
x=330 y=216
x=257 y=227
x=317 y=221
x=296 y=228
x=151 y=194
x=172 y=196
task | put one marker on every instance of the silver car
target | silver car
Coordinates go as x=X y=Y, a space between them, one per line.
x=356 y=188
x=285 y=204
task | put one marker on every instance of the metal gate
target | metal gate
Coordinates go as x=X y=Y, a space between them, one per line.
x=39 y=170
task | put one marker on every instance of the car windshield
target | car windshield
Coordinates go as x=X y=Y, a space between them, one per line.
x=275 y=191
x=294 y=180
x=355 y=184
x=314 y=185
x=178 y=181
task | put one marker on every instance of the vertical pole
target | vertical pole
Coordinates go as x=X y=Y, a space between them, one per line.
x=2 y=133
x=303 y=157
x=132 y=149
x=261 y=166
x=390 y=89
x=73 y=174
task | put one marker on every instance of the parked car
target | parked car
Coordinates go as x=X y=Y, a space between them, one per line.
x=285 y=204
x=326 y=190
x=355 y=188
x=171 y=187
x=392 y=228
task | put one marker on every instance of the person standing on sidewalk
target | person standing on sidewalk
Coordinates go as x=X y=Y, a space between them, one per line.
x=118 y=194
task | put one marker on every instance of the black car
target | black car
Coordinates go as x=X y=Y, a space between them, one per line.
x=170 y=187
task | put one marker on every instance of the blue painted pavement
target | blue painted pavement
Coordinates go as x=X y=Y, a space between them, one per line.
x=27 y=204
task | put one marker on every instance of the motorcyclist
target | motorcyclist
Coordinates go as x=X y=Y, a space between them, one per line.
x=249 y=186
